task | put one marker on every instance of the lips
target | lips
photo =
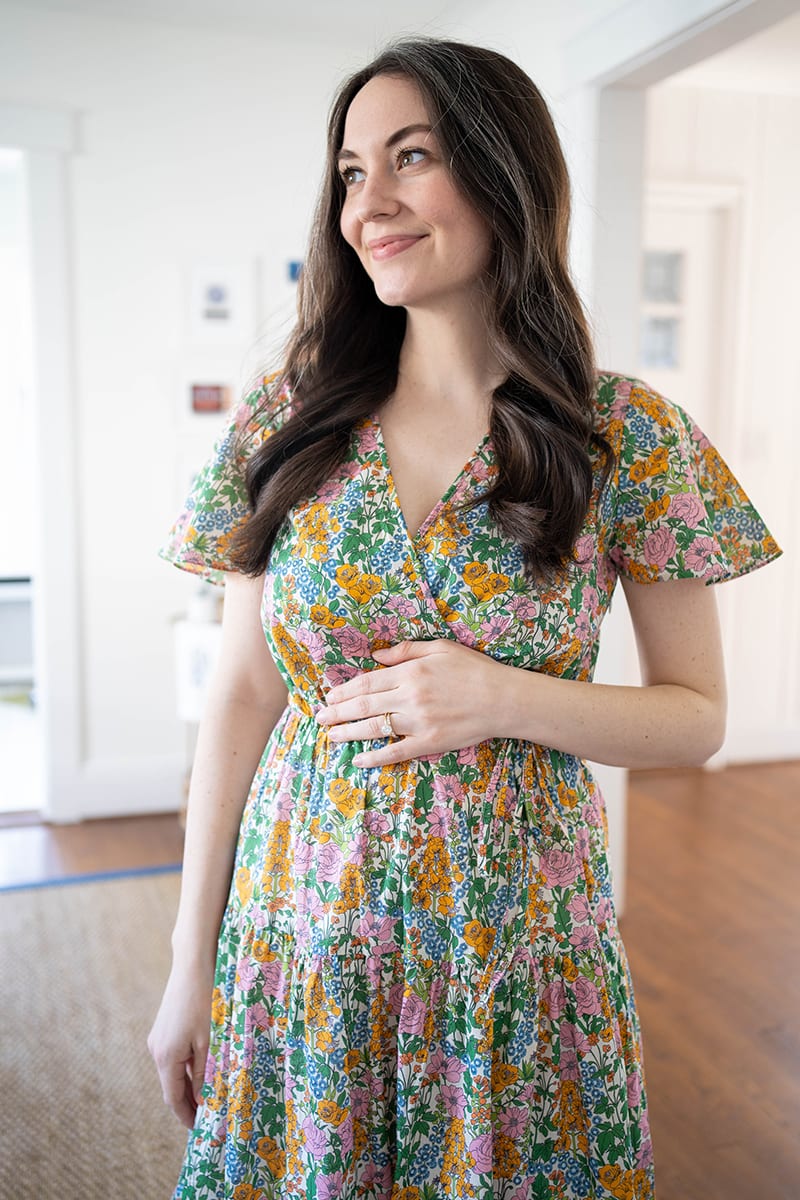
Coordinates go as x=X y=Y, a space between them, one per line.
x=388 y=247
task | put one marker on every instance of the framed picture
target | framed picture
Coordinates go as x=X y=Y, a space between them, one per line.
x=222 y=303
x=210 y=397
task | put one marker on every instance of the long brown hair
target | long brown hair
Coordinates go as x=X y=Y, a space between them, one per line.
x=341 y=362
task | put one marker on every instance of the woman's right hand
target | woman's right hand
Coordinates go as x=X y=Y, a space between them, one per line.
x=178 y=1040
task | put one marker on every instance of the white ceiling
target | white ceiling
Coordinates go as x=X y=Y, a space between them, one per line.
x=766 y=62
x=334 y=20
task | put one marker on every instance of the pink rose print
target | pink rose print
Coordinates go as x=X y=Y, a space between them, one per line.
x=315 y=1139
x=688 y=508
x=329 y=862
x=622 y=395
x=584 y=549
x=274 y=978
x=524 y=608
x=412 y=1015
x=699 y=553
x=376 y=822
x=352 y=642
x=246 y=973
x=659 y=547
x=554 y=998
x=260 y=1016
x=303 y=857
x=579 y=907
x=395 y=997
x=345 y=1132
x=481 y=1148
x=336 y=673
x=560 y=867
x=587 y=997
x=313 y=641
x=634 y=1091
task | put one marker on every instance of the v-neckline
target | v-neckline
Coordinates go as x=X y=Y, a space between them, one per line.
x=413 y=538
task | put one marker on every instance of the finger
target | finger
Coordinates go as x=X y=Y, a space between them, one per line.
x=401 y=751
x=359 y=708
x=363 y=684
x=368 y=730
x=174 y=1089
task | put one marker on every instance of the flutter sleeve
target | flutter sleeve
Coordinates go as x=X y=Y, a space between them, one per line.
x=679 y=512
x=217 y=504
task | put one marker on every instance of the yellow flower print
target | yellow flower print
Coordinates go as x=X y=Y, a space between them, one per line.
x=503 y=1074
x=322 y=615
x=331 y=1112
x=273 y=1155
x=348 y=799
x=244 y=885
x=323 y=1041
x=480 y=937
x=482 y=582
x=657 y=508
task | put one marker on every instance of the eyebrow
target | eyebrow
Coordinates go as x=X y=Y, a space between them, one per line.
x=396 y=137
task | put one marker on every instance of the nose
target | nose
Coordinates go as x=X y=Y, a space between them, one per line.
x=376 y=198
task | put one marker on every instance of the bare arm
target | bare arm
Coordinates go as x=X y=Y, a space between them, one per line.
x=444 y=695
x=246 y=697
x=676 y=719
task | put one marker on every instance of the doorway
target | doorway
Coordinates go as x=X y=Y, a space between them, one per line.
x=20 y=721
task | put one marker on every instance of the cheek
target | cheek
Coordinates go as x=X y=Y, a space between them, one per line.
x=348 y=225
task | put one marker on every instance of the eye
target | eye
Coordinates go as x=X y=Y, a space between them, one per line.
x=348 y=174
x=405 y=157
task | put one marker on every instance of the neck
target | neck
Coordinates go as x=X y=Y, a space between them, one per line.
x=446 y=357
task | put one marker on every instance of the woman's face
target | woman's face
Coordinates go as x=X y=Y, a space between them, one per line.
x=418 y=238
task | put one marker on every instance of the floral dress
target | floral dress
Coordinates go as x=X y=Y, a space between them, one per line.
x=421 y=990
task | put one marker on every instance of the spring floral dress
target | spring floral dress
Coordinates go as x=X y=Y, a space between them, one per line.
x=421 y=991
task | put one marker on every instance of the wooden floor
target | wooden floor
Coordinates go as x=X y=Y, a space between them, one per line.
x=712 y=930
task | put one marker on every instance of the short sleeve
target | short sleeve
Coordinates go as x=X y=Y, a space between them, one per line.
x=217 y=504
x=679 y=512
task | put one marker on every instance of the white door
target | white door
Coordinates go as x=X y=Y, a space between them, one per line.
x=690 y=302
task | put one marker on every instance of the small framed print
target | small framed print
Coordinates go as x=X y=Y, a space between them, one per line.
x=210 y=397
x=222 y=307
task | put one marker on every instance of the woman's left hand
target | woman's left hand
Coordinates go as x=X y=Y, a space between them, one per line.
x=441 y=694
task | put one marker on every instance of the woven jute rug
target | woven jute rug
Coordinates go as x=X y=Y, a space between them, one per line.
x=82 y=968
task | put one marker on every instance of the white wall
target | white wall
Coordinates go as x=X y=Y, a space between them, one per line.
x=195 y=145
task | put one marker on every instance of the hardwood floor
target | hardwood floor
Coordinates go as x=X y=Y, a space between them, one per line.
x=712 y=931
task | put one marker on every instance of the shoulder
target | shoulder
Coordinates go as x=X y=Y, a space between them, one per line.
x=261 y=412
x=628 y=411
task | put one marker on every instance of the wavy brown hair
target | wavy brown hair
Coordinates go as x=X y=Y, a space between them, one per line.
x=341 y=363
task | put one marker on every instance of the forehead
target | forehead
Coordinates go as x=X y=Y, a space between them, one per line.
x=384 y=104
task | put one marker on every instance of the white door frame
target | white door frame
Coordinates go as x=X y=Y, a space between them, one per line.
x=606 y=70
x=47 y=138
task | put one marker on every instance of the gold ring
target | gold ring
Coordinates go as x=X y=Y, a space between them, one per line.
x=387 y=729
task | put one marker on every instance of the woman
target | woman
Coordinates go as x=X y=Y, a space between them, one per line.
x=403 y=927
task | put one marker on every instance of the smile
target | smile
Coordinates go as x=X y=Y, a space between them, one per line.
x=389 y=247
